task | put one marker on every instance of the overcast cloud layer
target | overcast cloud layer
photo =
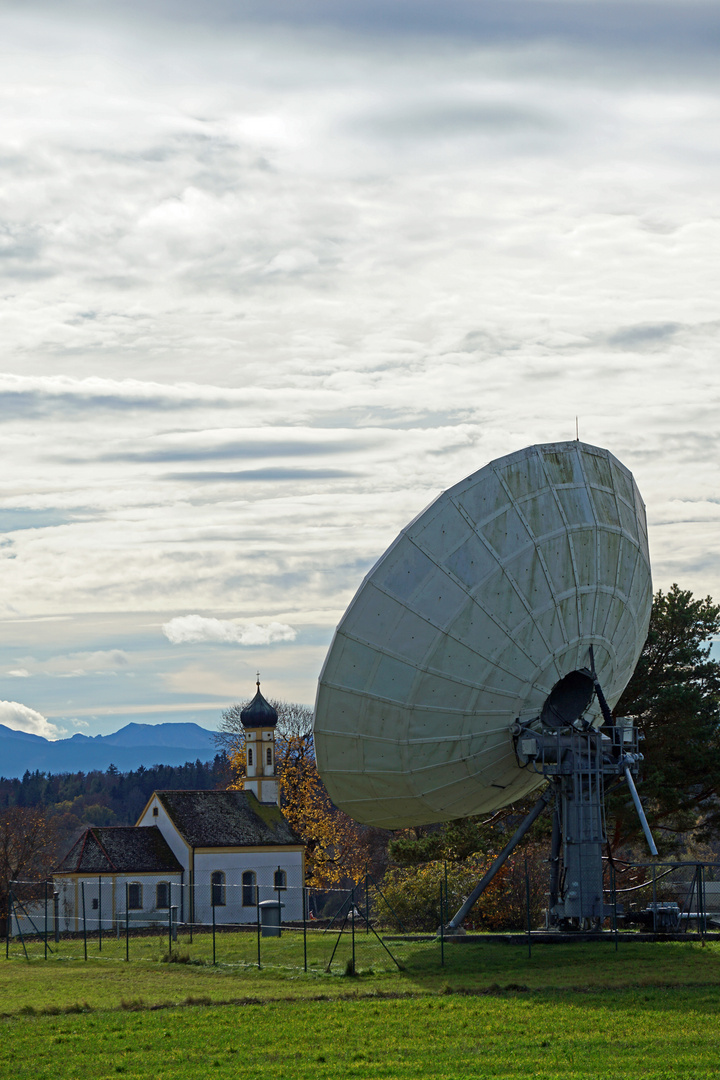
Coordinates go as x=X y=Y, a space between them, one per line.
x=274 y=275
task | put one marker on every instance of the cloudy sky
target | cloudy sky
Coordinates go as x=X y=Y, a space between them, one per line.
x=273 y=274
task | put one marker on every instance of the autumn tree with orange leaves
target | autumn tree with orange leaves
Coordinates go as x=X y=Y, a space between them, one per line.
x=334 y=843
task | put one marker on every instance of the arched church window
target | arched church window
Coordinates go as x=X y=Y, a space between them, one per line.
x=217 y=888
x=249 y=888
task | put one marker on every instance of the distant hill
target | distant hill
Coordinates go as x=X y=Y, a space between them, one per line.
x=129 y=748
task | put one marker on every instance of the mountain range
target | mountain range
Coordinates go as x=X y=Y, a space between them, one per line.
x=129 y=748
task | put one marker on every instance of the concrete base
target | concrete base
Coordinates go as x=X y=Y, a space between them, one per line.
x=548 y=937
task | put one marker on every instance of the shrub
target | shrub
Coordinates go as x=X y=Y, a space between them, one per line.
x=411 y=895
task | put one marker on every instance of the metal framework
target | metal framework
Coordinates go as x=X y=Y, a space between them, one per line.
x=578 y=765
x=578 y=761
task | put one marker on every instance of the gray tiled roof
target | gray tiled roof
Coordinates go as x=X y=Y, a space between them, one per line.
x=120 y=849
x=226 y=819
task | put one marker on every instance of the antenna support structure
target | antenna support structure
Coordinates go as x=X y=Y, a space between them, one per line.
x=578 y=765
x=578 y=761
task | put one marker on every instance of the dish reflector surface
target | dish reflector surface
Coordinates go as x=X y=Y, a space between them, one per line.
x=476 y=611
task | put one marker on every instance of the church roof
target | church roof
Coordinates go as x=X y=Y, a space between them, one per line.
x=226 y=819
x=259 y=713
x=120 y=849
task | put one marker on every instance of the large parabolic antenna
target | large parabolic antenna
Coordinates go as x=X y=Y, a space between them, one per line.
x=477 y=620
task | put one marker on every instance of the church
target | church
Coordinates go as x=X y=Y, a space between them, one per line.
x=193 y=856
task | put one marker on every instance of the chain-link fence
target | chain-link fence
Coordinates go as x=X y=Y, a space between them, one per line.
x=257 y=919
x=665 y=897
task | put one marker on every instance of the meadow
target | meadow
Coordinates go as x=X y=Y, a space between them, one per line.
x=570 y=1010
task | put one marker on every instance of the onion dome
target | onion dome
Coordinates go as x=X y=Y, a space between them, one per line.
x=259 y=713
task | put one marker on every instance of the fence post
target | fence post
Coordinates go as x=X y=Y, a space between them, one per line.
x=304 y=908
x=213 y=927
x=257 y=908
x=169 y=900
x=442 y=928
x=82 y=891
x=701 y=899
x=46 y=918
x=352 y=927
x=367 y=901
x=56 y=913
x=527 y=907
x=99 y=912
x=127 y=920
x=614 y=895
x=654 y=896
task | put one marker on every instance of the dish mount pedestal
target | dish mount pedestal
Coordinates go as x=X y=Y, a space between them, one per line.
x=578 y=765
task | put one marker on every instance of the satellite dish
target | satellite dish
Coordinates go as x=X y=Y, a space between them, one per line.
x=481 y=615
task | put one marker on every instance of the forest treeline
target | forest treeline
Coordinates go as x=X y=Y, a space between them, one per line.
x=109 y=797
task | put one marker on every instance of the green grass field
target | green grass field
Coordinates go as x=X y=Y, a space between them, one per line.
x=647 y=1010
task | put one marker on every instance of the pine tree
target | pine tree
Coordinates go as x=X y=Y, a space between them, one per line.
x=674 y=698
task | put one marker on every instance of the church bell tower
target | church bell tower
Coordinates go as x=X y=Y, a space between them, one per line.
x=259 y=720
